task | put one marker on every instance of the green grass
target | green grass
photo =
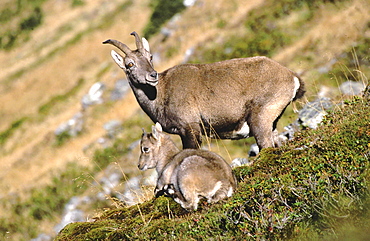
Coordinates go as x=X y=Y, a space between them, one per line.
x=131 y=132
x=58 y=99
x=105 y=22
x=303 y=189
x=25 y=16
x=266 y=32
x=13 y=127
x=23 y=216
x=162 y=12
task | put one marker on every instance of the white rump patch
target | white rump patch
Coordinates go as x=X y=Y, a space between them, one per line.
x=296 y=86
x=243 y=132
x=215 y=189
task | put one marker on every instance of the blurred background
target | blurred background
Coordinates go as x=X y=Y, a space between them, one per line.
x=69 y=123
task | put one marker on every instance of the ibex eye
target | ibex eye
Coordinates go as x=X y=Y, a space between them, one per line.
x=130 y=64
x=145 y=149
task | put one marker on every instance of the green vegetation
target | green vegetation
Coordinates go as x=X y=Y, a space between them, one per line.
x=315 y=187
x=305 y=189
x=162 y=11
x=131 y=131
x=25 y=15
x=353 y=64
x=106 y=21
x=8 y=132
x=47 y=107
x=77 y=3
x=47 y=203
x=42 y=204
x=265 y=31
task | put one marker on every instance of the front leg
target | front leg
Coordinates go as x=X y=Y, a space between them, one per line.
x=191 y=136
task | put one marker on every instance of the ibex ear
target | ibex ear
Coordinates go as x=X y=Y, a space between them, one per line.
x=144 y=132
x=156 y=131
x=145 y=44
x=118 y=59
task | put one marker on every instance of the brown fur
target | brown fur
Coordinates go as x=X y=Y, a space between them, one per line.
x=186 y=175
x=218 y=98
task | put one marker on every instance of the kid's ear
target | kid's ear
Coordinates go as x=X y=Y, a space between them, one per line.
x=118 y=59
x=156 y=131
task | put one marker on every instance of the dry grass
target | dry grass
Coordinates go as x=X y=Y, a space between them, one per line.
x=332 y=31
x=28 y=157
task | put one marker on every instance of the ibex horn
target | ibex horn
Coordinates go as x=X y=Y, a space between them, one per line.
x=118 y=44
x=144 y=132
x=139 y=44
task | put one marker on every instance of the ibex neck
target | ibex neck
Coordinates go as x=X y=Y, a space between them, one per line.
x=168 y=151
x=147 y=98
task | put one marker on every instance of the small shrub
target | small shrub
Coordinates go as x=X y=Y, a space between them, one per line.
x=77 y=3
x=162 y=11
x=33 y=21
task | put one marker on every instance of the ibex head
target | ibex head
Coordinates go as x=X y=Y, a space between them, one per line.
x=137 y=64
x=150 y=144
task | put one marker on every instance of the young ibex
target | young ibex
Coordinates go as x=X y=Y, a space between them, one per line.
x=231 y=99
x=186 y=175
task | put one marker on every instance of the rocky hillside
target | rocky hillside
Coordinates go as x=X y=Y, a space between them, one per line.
x=64 y=103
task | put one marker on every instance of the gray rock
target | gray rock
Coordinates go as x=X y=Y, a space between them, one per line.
x=112 y=128
x=72 y=213
x=254 y=150
x=352 y=88
x=72 y=127
x=189 y=3
x=121 y=87
x=94 y=96
x=313 y=112
x=237 y=162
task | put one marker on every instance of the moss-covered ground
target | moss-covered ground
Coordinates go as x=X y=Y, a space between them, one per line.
x=314 y=187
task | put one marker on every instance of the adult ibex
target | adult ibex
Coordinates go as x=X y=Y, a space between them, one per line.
x=186 y=175
x=231 y=99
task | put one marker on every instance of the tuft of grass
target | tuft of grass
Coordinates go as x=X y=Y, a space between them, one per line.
x=303 y=189
x=162 y=12
x=8 y=132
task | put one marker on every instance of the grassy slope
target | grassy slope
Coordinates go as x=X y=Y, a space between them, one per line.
x=41 y=73
x=308 y=188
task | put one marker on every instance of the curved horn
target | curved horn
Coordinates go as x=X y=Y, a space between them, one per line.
x=118 y=44
x=139 y=44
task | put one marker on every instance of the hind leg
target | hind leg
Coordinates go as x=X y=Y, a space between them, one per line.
x=262 y=132
x=263 y=125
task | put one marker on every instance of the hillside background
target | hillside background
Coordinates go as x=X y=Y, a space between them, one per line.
x=51 y=55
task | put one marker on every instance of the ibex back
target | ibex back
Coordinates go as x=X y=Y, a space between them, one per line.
x=186 y=175
x=232 y=99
